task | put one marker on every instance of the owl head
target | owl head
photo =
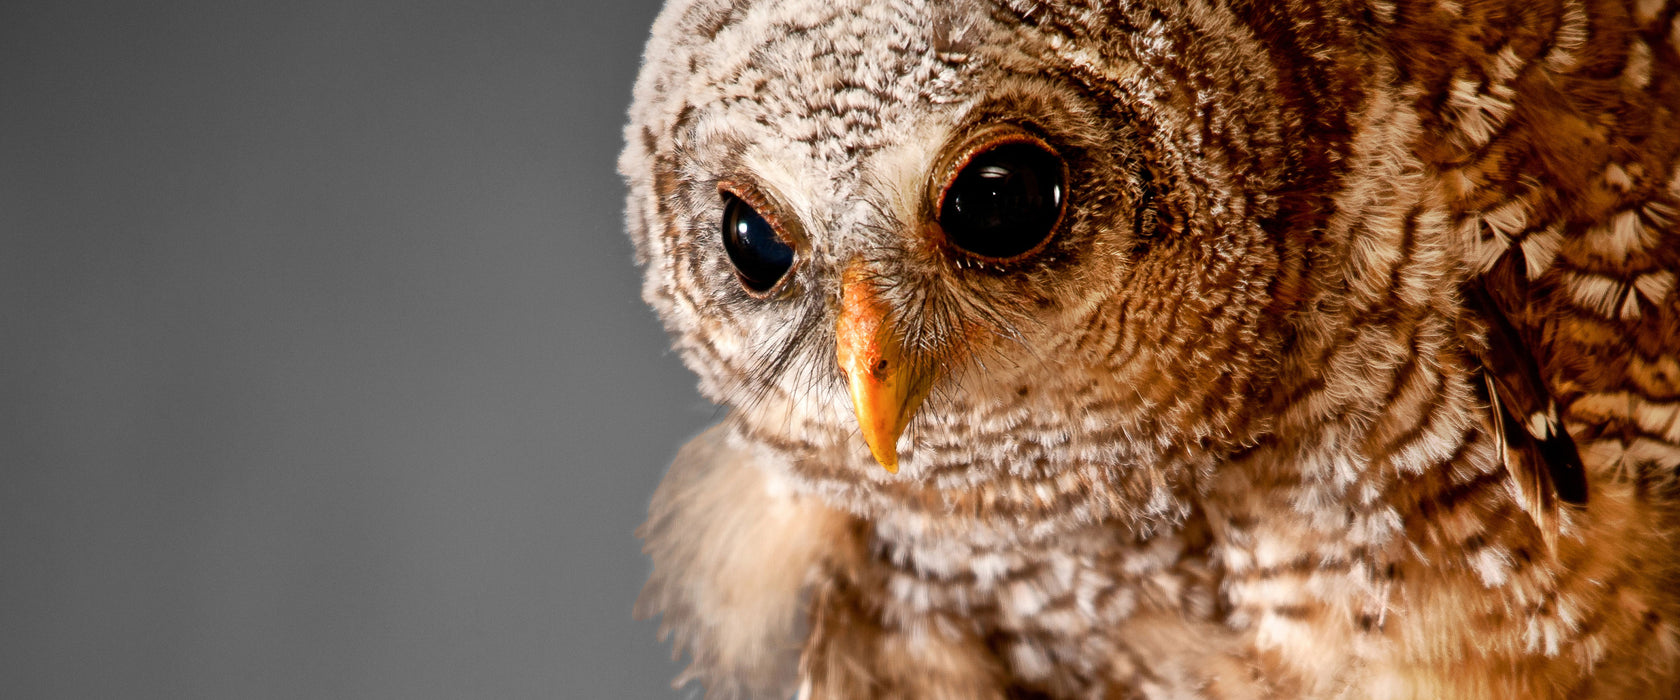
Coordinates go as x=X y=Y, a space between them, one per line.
x=1029 y=257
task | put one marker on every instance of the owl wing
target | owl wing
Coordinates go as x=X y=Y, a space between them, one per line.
x=1558 y=150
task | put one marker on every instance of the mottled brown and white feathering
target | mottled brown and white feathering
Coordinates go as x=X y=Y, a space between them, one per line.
x=1347 y=363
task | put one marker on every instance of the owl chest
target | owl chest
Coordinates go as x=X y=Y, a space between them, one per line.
x=1050 y=615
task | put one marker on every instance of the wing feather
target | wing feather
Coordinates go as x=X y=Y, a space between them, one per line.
x=1541 y=456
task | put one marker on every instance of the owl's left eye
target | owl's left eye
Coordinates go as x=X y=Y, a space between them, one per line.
x=760 y=256
x=1005 y=200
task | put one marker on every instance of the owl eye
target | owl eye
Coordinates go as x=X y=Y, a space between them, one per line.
x=760 y=256
x=1004 y=201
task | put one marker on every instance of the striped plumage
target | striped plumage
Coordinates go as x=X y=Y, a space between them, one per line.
x=1231 y=432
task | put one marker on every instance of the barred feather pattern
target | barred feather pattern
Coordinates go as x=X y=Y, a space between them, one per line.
x=1242 y=452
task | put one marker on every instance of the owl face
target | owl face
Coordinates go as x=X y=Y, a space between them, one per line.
x=979 y=247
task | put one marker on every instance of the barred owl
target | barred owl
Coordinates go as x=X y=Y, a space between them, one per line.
x=1168 y=348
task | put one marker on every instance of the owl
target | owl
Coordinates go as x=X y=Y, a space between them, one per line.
x=1168 y=348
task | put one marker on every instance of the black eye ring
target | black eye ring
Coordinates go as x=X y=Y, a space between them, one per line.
x=756 y=243
x=1004 y=198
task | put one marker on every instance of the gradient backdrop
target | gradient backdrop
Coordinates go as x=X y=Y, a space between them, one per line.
x=323 y=371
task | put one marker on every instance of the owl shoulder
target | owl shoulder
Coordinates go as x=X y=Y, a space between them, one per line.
x=734 y=552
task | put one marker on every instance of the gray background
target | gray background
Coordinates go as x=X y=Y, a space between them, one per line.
x=323 y=371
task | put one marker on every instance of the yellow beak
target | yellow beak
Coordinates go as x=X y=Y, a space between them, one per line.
x=887 y=386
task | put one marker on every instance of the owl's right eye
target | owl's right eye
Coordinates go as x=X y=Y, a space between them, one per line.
x=760 y=256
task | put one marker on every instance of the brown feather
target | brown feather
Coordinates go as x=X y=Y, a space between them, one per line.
x=1544 y=464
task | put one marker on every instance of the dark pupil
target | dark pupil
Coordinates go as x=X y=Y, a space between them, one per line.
x=759 y=255
x=1004 y=201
